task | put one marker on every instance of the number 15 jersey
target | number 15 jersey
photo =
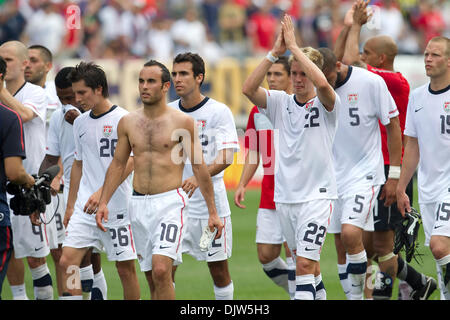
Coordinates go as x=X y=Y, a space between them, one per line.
x=95 y=142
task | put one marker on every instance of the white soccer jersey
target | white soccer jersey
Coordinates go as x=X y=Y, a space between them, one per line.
x=34 y=98
x=428 y=120
x=217 y=131
x=53 y=102
x=357 y=151
x=60 y=140
x=304 y=168
x=95 y=142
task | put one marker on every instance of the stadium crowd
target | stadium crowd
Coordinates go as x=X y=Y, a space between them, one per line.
x=158 y=29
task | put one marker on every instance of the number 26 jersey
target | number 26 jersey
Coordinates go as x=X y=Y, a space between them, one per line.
x=95 y=142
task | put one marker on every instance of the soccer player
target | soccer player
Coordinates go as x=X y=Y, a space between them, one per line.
x=218 y=136
x=428 y=146
x=158 y=207
x=30 y=241
x=378 y=57
x=40 y=63
x=95 y=135
x=358 y=160
x=61 y=145
x=259 y=139
x=12 y=151
x=305 y=184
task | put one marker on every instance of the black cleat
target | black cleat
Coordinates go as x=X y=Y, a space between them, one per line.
x=425 y=292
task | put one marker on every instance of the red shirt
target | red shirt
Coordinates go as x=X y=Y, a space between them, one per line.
x=268 y=157
x=398 y=86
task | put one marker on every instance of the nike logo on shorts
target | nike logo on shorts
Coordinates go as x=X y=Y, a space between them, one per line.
x=418 y=109
x=211 y=254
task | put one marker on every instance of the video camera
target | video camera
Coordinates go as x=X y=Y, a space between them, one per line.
x=27 y=201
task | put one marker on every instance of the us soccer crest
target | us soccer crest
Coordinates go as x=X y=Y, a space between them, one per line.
x=352 y=98
x=309 y=105
x=447 y=106
x=201 y=125
x=107 y=130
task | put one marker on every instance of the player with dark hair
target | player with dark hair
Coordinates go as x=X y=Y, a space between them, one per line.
x=218 y=136
x=95 y=136
x=159 y=204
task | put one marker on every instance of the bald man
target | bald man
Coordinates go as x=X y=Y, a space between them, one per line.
x=378 y=57
x=29 y=241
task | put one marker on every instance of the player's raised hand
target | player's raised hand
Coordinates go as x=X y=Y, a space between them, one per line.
x=239 y=197
x=101 y=215
x=360 y=14
x=348 y=18
x=288 y=31
x=279 y=48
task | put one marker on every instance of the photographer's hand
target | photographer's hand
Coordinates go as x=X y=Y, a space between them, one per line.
x=35 y=218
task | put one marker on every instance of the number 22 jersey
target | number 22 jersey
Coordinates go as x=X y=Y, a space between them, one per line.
x=95 y=142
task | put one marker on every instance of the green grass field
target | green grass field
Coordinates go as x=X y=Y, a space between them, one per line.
x=193 y=281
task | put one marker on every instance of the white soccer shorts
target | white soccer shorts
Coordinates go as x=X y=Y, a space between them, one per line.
x=305 y=226
x=355 y=209
x=268 y=227
x=159 y=225
x=54 y=220
x=221 y=248
x=117 y=241
x=436 y=219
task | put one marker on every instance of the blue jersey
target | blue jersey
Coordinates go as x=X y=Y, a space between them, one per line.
x=12 y=144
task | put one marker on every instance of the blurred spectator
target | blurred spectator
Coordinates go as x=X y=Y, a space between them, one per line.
x=232 y=20
x=322 y=24
x=134 y=27
x=160 y=40
x=262 y=28
x=210 y=9
x=391 y=20
x=428 y=21
x=188 y=33
x=46 y=27
x=110 y=20
x=12 y=22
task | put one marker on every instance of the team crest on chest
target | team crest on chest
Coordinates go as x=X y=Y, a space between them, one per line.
x=309 y=105
x=447 y=106
x=107 y=130
x=352 y=98
x=201 y=125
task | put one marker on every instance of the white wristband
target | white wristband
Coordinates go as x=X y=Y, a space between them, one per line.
x=271 y=57
x=394 y=172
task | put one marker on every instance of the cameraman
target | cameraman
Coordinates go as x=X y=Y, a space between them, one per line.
x=12 y=151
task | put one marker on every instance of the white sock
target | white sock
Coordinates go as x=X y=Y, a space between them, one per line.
x=42 y=283
x=99 y=287
x=87 y=281
x=356 y=269
x=19 y=292
x=343 y=278
x=224 y=293
x=444 y=268
x=305 y=287
x=291 y=276
x=321 y=293
x=277 y=271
